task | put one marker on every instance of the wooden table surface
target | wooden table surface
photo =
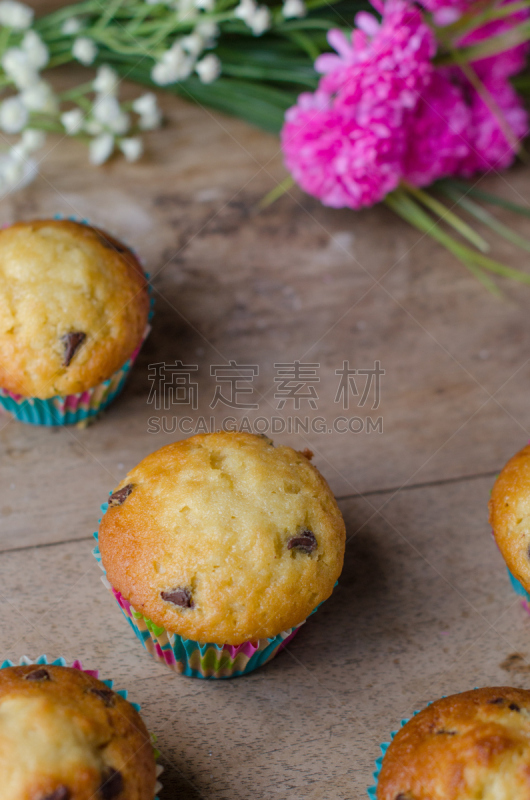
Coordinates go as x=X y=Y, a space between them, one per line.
x=424 y=607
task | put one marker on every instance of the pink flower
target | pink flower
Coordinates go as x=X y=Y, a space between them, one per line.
x=437 y=133
x=345 y=143
x=331 y=156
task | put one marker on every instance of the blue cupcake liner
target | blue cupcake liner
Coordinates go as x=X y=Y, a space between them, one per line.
x=208 y=661
x=518 y=587
x=61 y=662
x=74 y=409
x=372 y=790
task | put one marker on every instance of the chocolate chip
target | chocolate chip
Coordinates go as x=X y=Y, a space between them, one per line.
x=120 y=496
x=111 y=244
x=447 y=733
x=307 y=453
x=514 y=707
x=107 y=695
x=304 y=541
x=111 y=784
x=61 y=793
x=179 y=597
x=72 y=342
x=37 y=675
x=497 y=701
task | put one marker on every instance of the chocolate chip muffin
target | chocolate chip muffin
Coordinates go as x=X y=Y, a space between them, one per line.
x=66 y=736
x=73 y=307
x=509 y=509
x=223 y=538
x=464 y=747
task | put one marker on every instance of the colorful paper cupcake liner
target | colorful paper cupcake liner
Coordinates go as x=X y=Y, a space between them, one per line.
x=74 y=409
x=519 y=589
x=187 y=657
x=61 y=662
x=372 y=790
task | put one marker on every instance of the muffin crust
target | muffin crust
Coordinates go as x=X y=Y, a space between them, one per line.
x=73 y=307
x=469 y=746
x=223 y=538
x=509 y=509
x=66 y=736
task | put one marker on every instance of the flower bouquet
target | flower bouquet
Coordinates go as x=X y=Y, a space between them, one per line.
x=373 y=103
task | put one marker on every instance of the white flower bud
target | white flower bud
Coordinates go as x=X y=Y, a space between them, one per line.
x=15 y=15
x=208 y=68
x=193 y=44
x=106 y=81
x=174 y=66
x=101 y=148
x=13 y=115
x=36 y=50
x=32 y=140
x=245 y=10
x=208 y=31
x=16 y=64
x=108 y=112
x=261 y=21
x=72 y=121
x=293 y=9
x=71 y=26
x=145 y=104
x=84 y=50
x=40 y=97
x=205 y=5
x=92 y=127
x=186 y=10
x=132 y=148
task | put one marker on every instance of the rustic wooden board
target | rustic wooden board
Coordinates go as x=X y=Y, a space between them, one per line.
x=424 y=606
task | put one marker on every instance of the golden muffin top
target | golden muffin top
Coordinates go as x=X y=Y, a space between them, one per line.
x=73 y=307
x=223 y=538
x=66 y=736
x=464 y=747
x=509 y=508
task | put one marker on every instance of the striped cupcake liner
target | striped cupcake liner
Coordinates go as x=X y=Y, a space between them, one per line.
x=61 y=662
x=209 y=661
x=74 y=409
x=372 y=790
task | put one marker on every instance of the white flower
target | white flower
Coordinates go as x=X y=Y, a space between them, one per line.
x=15 y=15
x=13 y=115
x=101 y=148
x=36 y=50
x=174 y=66
x=108 y=112
x=208 y=68
x=294 y=8
x=71 y=26
x=245 y=10
x=32 y=140
x=193 y=44
x=92 y=127
x=132 y=148
x=72 y=121
x=15 y=173
x=205 y=5
x=40 y=97
x=84 y=50
x=261 y=21
x=17 y=66
x=208 y=31
x=146 y=107
x=106 y=81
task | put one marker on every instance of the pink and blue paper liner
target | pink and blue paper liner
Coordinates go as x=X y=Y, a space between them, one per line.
x=61 y=662
x=519 y=589
x=187 y=657
x=73 y=409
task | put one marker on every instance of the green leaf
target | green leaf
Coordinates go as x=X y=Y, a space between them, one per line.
x=487 y=218
x=487 y=197
x=449 y=217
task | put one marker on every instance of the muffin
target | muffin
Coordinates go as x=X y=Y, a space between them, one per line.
x=221 y=540
x=509 y=509
x=64 y=735
x=74 y=308
x=463 y=747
